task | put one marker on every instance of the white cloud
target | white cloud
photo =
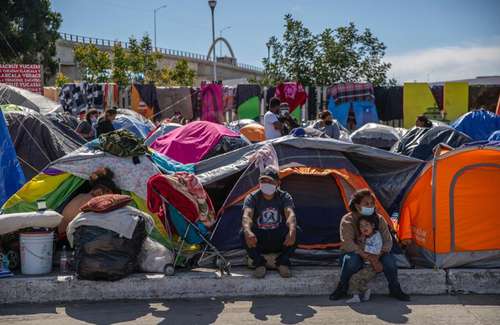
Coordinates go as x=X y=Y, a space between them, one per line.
x=447 y=63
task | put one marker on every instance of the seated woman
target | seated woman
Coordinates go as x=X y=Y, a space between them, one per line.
x=86 y=127
x=100 y=183
x=363 y=204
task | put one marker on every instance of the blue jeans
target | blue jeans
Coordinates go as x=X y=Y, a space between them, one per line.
x=352 y=263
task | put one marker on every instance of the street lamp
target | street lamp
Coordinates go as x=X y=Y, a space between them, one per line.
x=212 y=4
x=220 y=35
x=268 y=44
x=155 y=10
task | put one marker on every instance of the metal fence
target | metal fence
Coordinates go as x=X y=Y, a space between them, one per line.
x=170 y=52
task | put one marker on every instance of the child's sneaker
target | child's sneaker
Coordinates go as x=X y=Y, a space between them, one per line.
x=367 y=294
x=354 y=300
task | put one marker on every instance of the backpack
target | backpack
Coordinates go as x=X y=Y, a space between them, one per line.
x=122 y=143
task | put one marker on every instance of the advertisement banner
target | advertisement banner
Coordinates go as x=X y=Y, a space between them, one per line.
x=25 y=76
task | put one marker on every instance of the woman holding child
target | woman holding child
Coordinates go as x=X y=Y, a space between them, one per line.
x=366 y=244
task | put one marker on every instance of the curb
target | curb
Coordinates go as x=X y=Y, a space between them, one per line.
x=204 y=283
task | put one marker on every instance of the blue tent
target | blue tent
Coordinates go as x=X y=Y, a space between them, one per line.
x=11 y=174
x=364 y=111
x=478 y=124
x=134 y=125
x=495 y=136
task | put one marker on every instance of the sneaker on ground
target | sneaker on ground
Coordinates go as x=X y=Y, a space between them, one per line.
x=284 y=271
x=367 y=294
x=259 y=272
x=354 y=300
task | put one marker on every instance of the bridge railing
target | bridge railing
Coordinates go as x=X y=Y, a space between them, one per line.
x=183 y=54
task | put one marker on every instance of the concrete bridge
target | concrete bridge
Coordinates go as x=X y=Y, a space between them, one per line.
x=227 y=67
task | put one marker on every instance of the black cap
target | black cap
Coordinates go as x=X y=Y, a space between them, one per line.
x=269 y=172
x=112 y=110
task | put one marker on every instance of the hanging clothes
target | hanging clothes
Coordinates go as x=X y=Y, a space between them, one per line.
x=145 y=100
x=211 y=103
x=389 y=102
x=293 y=93
x=228 y=99
x=174 y=100
x=248 y=101
x=349 y=92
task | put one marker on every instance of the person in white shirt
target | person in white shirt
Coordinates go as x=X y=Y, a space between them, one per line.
x=272 y=125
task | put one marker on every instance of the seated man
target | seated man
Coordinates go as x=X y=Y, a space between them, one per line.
x=269 y=224
x=101 y=183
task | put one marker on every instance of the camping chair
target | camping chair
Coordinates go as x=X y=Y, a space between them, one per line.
x=188 y=226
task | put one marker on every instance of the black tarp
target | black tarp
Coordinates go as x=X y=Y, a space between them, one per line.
x=420 y=142
x=39 y=140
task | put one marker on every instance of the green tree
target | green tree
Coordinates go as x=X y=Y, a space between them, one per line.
x=120 y=65
x=94 y=63
x=61 y=80
x=182 y=74
x=341 y=55
x=143 y=60
x=28 y=33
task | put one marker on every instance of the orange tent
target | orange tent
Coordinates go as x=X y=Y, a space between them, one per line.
x=451 y=213
x=253 y=132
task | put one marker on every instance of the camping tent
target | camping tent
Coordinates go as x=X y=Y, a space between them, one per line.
x=319 y=173
x=197 y=141
x=451 y=211
x=254 y=132
x=22 y=97
x=160 y=131
x=238 y=124
x=376 y=135
x=37 y=140
x=478 y=124
x=67 y=177
x=139 y=127
x=420 y=142
x=11 y=174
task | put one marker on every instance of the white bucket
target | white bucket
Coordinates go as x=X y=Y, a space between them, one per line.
x=36 y=252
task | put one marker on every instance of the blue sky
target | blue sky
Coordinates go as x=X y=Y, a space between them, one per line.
x=427 y=40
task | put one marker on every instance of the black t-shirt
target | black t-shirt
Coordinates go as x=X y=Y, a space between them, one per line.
x=104 y=126
x=268 y=214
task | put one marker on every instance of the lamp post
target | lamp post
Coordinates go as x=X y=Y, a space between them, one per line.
x=212 y=4
x=268 y=44
x=220 y=35
x=155 y=10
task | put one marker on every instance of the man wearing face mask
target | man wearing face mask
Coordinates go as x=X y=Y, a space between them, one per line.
x=327 y=124
x=269 y=224
x=363 y=204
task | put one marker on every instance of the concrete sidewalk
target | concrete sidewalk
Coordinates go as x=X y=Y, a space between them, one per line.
x=203 y=283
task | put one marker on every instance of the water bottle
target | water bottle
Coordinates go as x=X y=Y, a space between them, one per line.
x=64 y=261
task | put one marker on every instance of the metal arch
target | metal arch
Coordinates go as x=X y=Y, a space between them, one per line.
x=220 y=39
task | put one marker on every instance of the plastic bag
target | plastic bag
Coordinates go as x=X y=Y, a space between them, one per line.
x=154 y=257
x=102 y=254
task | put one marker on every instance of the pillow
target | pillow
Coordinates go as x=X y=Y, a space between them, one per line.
x=105 y=203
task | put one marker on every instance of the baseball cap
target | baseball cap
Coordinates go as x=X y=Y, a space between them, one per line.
x=269 y=172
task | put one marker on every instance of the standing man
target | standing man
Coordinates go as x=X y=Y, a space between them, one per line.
x=269 y=224
x=105 y=123
x=272 y=125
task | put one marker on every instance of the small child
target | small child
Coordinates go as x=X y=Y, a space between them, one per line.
x=371 y=239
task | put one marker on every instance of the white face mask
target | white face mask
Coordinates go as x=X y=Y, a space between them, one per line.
x=93 y=119
x=268 y=189
x=367 y=211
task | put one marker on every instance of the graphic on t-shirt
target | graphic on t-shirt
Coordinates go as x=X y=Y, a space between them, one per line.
x=269 y=219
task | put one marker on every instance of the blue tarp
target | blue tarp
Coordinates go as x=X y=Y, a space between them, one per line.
x=495 y=136
x=477 y=124
x=364 y=110
x=11 y=174
x=132 y=124
x=170 y=166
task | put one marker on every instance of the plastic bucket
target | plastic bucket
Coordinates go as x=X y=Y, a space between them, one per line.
x=36 y=252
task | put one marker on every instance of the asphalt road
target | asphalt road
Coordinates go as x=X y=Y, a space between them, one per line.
x=433 y=310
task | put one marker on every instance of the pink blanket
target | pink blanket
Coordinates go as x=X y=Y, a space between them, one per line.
x=190 y=143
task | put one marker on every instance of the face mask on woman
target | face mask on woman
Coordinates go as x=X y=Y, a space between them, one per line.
x=367 y=211
x=268 y=189
x=93 y=119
